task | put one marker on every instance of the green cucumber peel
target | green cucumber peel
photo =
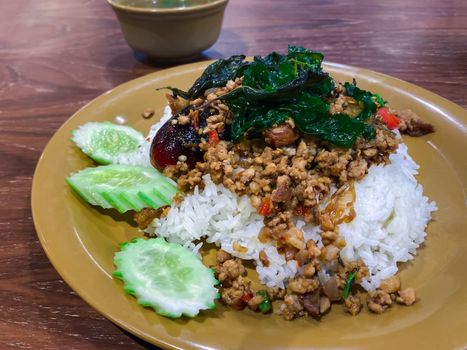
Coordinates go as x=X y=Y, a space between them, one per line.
x=166 y=277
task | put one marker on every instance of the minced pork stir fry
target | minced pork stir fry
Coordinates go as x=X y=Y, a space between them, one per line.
x=281 y=131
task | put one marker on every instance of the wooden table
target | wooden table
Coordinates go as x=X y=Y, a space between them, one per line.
x=55 y=56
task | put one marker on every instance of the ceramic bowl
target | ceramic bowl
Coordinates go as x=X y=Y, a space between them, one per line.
x=168 y=34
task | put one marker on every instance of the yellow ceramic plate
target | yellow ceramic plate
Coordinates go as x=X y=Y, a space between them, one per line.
x=80 y=240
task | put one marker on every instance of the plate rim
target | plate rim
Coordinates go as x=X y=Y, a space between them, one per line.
x=442 y=105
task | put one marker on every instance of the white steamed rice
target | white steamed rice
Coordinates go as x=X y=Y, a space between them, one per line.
x=223 y=218
x=391 y=217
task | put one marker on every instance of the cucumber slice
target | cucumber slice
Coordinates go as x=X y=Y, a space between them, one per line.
x=123 y=187
x=106 y=142
x=166 y=277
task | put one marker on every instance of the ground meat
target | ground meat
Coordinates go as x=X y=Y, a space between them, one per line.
x=357 y=169
x=302 y=257
x=302 y=285
x=334 y=162
x=406 y=296
x=254 y=302
x=144 y=217
x=229 y=270
x=357 y=265
x=412 y=124
x=391 y=284
x=233 y=297
x=378 y=301
x=291 y=307
x=329 y=252
x=222 y=256
x=309 y=270
x=185 y=183
x=276 y=293
x=313 y=250
x=353 y=305
x=328 y=237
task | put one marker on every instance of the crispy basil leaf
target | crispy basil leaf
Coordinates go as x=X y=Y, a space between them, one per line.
x=257 y=120
x=363 y=96
x=177 y=92
x=218 y=74
x=275 y=77
x=269 y=73
x=277 y=87
x=304 y=57
x=379 y=100
x=215 y=75
x=321 y=87
x=310 y=114
x=339 y=129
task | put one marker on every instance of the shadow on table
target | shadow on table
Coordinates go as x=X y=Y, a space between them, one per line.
x=228 y=39
x=129 y=64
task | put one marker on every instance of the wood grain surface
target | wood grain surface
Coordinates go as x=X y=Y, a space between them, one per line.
x=55 y=56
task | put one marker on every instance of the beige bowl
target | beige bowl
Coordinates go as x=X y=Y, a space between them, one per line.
x=170 y=34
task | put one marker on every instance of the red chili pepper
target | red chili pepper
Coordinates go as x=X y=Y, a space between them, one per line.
x=265 y=207
x=247 y=297
x=391 y=120
x=213 y=138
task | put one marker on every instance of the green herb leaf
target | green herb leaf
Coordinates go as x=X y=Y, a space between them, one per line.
x=379 y=100
x=177 y=92
x=363 y=96
x=350 y=280
x=265 y=306
x=305 y=57
x=310 y=114
x=277 y=87
x=253 y=118
x=217 y=74
x=275 y=76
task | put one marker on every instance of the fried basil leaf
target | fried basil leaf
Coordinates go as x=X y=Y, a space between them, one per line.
x=310 y=114
x=217 y=74
x=304 y=57
x=277 y=87
x=370 y=101
x=277 y=77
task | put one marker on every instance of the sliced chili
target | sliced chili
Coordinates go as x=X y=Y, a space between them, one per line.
x=391 y=120
x=265 y=207
x=213 y=138
x=247 y=297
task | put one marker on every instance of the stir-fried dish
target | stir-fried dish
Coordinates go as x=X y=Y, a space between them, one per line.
x=274 y=162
